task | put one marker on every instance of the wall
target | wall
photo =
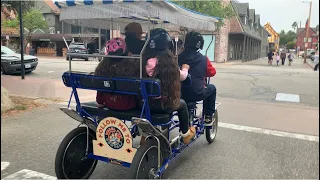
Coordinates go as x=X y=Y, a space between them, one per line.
x=302 y=35
x=207 y=40
x=235 y=46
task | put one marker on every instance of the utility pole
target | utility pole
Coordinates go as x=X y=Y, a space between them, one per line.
x=307 y=35
x=21 y=40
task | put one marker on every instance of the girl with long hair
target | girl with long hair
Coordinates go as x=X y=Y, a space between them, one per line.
x=160 y=63
x=110 y=67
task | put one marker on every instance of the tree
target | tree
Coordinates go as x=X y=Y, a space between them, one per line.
x=211 y=8
x=32 y=20
x=87 y=40
x=290 y=36
x=291 y=45
x=294 y=25
x=26 y=5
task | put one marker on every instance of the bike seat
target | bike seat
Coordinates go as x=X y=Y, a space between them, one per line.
x=92 y=109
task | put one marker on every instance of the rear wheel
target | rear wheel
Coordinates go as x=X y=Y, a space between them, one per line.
x=145 y=162
x=86 y=59
x=71 y=160
x=3 y=71
x=211 y=131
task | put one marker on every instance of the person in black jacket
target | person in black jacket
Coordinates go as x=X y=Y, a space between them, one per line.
x=133 y=33
x=200 y=68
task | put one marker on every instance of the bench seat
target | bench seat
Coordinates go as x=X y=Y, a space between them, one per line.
x=92 y=109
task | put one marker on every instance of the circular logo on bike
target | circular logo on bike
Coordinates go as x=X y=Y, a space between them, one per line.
x=114 y=137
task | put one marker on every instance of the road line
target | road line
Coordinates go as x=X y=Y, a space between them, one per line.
x=4 y=165
x=28 y=174
x=269 y=132
x=253 y=129
x=50 y=72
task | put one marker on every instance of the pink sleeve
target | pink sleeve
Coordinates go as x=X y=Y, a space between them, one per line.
x=183 y=74
x=151 y=64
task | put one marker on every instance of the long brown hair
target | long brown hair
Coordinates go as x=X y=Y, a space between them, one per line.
x=110 y=67
x=167 y=70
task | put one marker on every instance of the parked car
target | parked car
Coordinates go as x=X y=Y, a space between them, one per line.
x=11 y=62
x=310 y=55
x=78 y=48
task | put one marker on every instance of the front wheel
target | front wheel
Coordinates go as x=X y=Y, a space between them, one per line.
x=71 y=160
x=211 y=131
x=145 y=162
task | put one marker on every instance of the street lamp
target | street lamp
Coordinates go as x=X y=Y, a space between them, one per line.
x=307 y=33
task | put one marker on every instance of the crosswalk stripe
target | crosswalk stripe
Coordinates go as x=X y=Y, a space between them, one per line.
x=28 y=174
x=4 y=165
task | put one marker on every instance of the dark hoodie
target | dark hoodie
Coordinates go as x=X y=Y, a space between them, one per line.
x=134 y=45
x=200 y=68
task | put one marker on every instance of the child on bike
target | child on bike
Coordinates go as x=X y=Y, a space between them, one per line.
x=200 y=69
x=110 y=67
x=159 y=62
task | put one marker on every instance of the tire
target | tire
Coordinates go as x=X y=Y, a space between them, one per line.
x=63 y=159
x=145 y=159
x=211 y=132
x=3 y=71
x=86 y=59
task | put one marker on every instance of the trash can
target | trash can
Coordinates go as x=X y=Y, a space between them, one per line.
x=32 y=52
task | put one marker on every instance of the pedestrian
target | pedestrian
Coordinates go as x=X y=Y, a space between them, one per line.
x=283 y=57
x=290 y=57
x=270 y=57
x=316 y=60
x=278 y=58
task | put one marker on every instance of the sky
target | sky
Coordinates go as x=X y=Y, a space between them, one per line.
x=282 y=13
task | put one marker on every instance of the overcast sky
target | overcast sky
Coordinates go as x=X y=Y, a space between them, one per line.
x=282 y=13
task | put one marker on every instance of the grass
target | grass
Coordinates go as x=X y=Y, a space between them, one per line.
x=23 y=104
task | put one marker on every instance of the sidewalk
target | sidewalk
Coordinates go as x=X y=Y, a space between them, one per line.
x=45 y=88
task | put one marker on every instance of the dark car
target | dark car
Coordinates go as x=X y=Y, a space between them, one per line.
x=11 y=62
x=78 y=48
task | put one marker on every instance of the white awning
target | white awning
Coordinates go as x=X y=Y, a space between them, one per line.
x=101 y=14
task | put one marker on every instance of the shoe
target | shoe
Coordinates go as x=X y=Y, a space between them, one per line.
x=208 y=120
x=186 y=138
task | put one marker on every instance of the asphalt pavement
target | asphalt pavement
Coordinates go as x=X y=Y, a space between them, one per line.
x=30 y=140
x=259 y=137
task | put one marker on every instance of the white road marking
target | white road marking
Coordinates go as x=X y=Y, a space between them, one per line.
x=50 y=72
x=28 y=174
x=4 y=165
x=269 y=132
x=288 y=97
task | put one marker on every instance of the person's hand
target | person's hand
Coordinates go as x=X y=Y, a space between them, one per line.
x=129 y=54
x=186 y=66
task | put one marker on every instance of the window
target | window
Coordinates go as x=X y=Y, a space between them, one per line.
x=51 y=30
x=245 y=20
x=75 y=29
x=5 y=50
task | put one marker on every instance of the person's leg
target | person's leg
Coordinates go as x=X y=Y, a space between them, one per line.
x=188 y=132
x=316 y=67
x=209 y=103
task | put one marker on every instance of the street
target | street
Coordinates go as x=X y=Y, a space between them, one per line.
x=259 y=137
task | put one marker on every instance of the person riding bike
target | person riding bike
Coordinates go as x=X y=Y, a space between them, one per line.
x=133 y=33
x=160 y=63
x=200 y=69
x=110 y=67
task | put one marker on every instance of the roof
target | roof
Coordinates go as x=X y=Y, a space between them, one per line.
x=53 y=7
x=300 y=30
x=252 y=15
x=242 y=10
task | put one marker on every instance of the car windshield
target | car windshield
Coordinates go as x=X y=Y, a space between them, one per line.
x=5 y=50
x=79 y=46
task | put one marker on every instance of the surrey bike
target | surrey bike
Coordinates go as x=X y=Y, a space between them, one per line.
x=103 y=133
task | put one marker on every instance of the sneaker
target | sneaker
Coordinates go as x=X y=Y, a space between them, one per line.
x=186 y=138
x=208 y=120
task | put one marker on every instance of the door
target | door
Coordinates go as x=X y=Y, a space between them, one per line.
x=207 y=40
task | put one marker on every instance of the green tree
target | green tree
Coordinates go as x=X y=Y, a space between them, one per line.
x=26 y=5
x=291 y=45
x=211 y=8
x=32 y=20
x=286 y=37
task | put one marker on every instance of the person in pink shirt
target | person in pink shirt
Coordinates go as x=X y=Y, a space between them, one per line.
x=160 y=63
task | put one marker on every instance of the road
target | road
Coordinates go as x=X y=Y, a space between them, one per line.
x=258 y=136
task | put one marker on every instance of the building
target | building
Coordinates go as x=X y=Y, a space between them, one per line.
x=274 y=38
x=242 y=37
x=313 y=38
